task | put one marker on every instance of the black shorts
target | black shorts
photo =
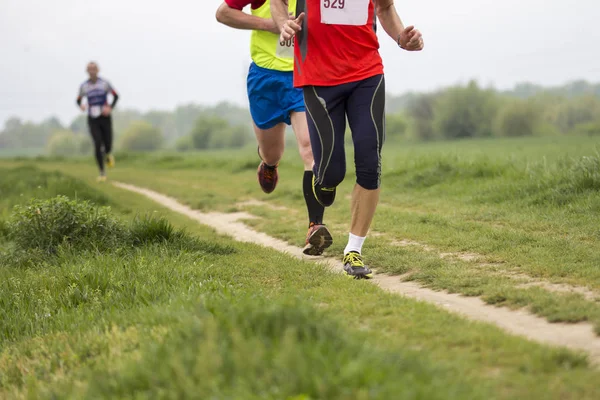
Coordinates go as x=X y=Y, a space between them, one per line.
x=363 y=103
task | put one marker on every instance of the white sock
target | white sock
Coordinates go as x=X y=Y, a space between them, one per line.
x=355 y=243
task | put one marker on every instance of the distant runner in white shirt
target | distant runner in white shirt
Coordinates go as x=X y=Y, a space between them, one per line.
x=96 y=90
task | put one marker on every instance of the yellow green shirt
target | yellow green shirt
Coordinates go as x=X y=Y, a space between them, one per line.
x=265 y=49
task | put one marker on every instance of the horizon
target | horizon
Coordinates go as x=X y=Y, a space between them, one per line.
x=235 y=104
x=194 y=59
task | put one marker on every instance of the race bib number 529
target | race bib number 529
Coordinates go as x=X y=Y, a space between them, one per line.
x=344 y=12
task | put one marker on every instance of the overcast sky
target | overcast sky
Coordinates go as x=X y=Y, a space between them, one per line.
x=159 y=54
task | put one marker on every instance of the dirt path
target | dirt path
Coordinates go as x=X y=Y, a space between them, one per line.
x=575 y=336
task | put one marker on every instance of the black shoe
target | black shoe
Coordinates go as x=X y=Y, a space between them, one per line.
x=324 y=195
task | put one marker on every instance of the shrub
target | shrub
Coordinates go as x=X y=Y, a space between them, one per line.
x=208 y=131
x=47 y=224
x=151 y=230
x=589 y=128
x=420 y=110
x=518 y=118
x=141 y=136
x=577 y=111
x=395 y=125
x=464 y=112
x=238 y=137
x=184 y=143
x=85 y=144
x=65 y=143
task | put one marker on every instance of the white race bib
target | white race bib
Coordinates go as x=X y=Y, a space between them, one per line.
x=285 y=49
x=345 y=12
x=95 y=111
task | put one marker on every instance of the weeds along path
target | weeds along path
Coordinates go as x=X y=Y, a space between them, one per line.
x=575 y=336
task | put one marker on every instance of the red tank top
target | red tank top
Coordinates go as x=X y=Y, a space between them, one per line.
x=337 y=43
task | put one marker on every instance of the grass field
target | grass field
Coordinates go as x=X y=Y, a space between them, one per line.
x=133 y=306
x=11 y=153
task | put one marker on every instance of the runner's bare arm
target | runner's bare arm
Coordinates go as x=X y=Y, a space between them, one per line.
x=236 y=18
x=286 y=24
x=408 y=38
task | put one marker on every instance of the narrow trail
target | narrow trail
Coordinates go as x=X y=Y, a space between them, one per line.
x=574 y=336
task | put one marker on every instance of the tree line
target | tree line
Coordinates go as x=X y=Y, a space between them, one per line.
x=471 y=111
x=188 y=127
x=465 y=111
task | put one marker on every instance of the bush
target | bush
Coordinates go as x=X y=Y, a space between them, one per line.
x=208 y=131
x=151 y=230
x=395 y=125
x=589 y=128
x=518 y=118
x=141 y=136
x=85 y=144
x=464 y=112
x=65 y=143
x=148 y=229
x=577 y=111
x=421 y=113
x=47 y=224
x=239 y=136
x=184 y=143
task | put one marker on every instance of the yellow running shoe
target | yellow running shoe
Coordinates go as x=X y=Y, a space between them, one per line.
x=110 y=161
x=355 y=267
x=101 y=178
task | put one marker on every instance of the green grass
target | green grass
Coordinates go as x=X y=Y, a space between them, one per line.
x=526 y=206
x=176 y=311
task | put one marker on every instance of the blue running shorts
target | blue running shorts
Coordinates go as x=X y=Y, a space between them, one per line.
x=272 y=96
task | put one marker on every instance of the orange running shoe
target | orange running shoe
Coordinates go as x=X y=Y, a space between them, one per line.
x=318 y=239
x=267 y=177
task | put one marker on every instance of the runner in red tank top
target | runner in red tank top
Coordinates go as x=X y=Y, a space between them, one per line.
x=338 y=66
x=330 y=54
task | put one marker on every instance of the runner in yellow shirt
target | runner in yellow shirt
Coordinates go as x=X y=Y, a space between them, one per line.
x=275 y=103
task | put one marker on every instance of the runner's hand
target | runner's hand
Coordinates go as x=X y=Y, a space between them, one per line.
x=411 y=39
x=106 y=110
x=290 y=28
x=83 y=107
x=272 y=26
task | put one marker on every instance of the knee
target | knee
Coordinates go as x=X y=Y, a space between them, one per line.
x=369 y=178
x=333 y=176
